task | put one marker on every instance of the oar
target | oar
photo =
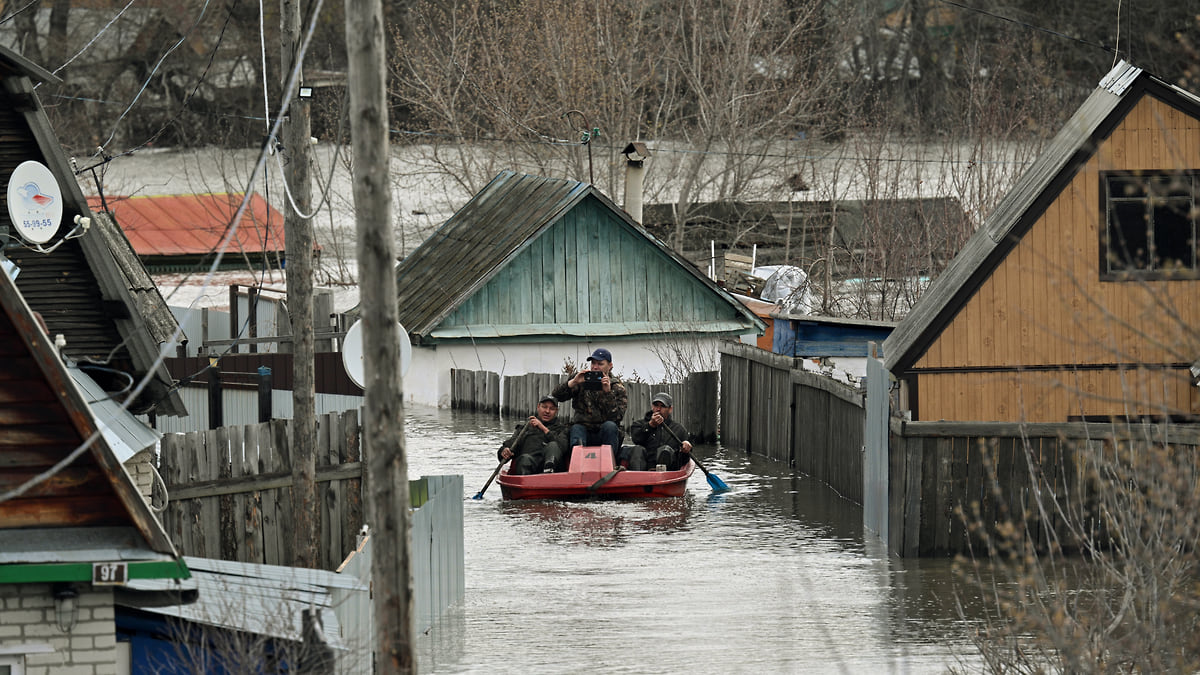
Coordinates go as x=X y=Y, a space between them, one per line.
x=479 y=495
x=714 y=482
x=600 y=483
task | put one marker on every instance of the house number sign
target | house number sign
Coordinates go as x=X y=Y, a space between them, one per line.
x=110 y=574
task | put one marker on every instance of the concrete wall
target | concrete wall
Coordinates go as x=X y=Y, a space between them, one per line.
x=28 y=626
x=428 y=379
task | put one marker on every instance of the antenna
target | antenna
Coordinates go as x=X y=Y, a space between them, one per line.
x=352 y=353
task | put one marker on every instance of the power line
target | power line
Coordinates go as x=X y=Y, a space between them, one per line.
x=1029 y=25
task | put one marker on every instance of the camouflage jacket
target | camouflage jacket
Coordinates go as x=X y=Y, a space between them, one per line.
x=534 y=439
x=592 y=407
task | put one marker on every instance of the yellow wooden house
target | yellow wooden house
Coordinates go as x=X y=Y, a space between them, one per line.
x=1079 y=298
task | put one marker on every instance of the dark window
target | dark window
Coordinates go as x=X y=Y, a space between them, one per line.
x=1151 y=226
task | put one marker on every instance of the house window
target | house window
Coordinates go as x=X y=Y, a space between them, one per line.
x=12 y=664
x=1151 y=226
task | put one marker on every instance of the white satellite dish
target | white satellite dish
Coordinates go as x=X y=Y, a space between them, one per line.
x=35 y=203
x=352 y=353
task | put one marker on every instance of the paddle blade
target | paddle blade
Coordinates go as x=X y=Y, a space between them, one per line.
x=716 y=483
x=478 y=495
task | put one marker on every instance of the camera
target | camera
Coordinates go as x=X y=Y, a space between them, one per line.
x=592 y=379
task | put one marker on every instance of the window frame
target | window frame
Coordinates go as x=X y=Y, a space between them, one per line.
x=1107 y=273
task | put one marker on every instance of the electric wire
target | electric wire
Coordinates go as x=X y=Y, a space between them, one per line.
x=92 y=41
x=1029 y=25
x=230 y=231
x=157 y=65
x=26 y=6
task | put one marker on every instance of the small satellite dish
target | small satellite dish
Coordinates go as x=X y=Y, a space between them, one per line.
x=35 y=203
x=352 y=353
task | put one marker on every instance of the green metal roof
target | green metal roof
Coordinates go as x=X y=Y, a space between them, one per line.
x=533 y=257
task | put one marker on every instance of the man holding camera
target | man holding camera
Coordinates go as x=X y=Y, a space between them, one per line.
x=598 y=400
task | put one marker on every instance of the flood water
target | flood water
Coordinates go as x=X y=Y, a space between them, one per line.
x=774 y=576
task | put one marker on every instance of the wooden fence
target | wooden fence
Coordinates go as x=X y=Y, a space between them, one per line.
x=695 y=400
x=229 y=491
x=938 y=468
x=772 y=408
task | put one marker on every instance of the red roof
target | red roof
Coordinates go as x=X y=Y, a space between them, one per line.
x=171 y=225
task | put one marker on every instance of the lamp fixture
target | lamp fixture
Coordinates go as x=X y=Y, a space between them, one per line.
x=66 y=606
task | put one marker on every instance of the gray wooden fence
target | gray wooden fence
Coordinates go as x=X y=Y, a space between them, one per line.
x=695 y=400
x=229 y=491
x=771 y=407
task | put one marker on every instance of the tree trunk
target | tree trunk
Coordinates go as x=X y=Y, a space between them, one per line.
x=299 y=246
x=383 y=427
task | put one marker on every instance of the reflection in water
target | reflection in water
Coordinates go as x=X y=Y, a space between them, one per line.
x=774 y=576
x=598 y=523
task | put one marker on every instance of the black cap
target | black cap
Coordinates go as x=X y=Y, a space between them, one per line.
x=663 y=398
x=548 y=397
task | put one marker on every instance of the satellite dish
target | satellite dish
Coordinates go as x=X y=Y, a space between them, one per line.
x=35 y=203
x=352 y=353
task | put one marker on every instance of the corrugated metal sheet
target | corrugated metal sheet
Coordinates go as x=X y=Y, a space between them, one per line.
x=126 y=435
x=1033 y=192
x=563 y=245
x=196 y=224
x=259 y=599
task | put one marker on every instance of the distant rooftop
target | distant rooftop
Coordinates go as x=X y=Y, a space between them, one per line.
x=172 y=231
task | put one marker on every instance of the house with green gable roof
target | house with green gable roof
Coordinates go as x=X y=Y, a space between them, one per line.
x=535 y=272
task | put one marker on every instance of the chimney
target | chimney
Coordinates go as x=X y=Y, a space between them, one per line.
x=635 y=157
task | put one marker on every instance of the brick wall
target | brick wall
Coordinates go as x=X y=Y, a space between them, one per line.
x=27 y=619
x=141 y=469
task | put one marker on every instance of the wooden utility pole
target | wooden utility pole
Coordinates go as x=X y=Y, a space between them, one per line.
x=383 y=425
x=296 y=132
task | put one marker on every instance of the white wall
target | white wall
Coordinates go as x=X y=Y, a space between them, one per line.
x=428 y=379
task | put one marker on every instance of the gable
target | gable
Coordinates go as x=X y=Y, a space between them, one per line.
x=1045 y=303
x=591 y=274
x=43 y=421
x=1132 y=121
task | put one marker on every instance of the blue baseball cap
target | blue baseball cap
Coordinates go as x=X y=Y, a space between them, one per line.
x=601 y=354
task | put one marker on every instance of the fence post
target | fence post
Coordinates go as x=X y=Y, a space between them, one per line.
x=264 y=393
x=216 y=416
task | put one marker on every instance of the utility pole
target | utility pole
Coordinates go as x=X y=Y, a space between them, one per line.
x=383 y=426
x=296 y=132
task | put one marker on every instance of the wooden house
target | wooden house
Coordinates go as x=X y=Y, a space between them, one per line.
x=91 y=289
x=1079 y=296
x=534 y=273
x=74 y=529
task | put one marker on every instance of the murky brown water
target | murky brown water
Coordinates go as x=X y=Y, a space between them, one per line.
x=773 y=576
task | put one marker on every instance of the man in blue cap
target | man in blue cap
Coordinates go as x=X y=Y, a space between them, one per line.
x=598 y=399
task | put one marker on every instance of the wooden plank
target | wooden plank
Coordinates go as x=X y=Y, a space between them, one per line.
x=944 y=513
x=959 y=506
x=252 y=537
x=896 y=483
x=225 y=503
x=352 y=515
x=930 y=508
x=978 y=490
x=912 y=498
